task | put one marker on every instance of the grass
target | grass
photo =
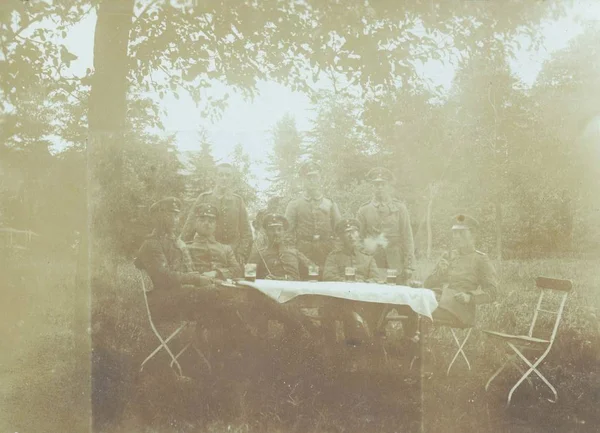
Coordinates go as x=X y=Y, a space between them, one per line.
x=275 y=388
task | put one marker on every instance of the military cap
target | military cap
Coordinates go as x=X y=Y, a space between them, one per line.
x=271 y=220
x=310 y=167
x=207 y=210
x=347 y=225
x=380 y=174
x=465 y=222
x=166 y=205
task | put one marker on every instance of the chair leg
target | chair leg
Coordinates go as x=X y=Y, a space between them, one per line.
x=460 y=349
x=201 y=355
x=163 y=344
x=532 y=369
x=496 y=373
x=521 y=370
x=181 y=352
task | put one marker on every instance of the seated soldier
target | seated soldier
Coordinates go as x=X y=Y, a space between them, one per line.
x=347 y=256
x=209 y=257
x=177 y=289
x=276 y=261
x=465 y=275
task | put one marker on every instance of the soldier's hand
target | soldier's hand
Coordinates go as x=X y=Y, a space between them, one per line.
x=407 y=275
x=463 y=298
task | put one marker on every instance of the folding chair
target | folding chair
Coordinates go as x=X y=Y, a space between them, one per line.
x=460 y=344
x=146 y=282
x=528 y=343
x=455 y=326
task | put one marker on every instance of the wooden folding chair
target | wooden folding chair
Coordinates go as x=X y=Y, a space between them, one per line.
x=538 y=347
x=146 y=287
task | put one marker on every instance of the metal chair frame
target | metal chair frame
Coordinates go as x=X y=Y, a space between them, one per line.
x=163 y=341
x=460 y=345
x=522 y=343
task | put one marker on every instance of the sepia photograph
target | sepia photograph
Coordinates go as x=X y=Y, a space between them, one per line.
x=299 y=216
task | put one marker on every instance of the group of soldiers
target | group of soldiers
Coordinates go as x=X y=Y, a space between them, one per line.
x=217 y=241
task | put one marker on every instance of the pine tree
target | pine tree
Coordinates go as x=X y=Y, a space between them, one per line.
x=285 y=158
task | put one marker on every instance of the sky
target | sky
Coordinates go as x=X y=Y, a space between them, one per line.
x=249 y=122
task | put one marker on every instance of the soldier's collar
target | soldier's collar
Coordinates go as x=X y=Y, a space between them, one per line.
x=389 y=202
x=226 y=193
x=309 y=198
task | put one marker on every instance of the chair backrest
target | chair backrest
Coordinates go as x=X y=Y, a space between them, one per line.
x=546 y=285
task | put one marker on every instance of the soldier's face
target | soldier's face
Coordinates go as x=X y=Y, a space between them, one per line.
x=462 y=239
x=275 y=234
x=312 y=181
x=380 y=188
x=170 y=221
x=351 y=238
x=206 y=226
x=224 y=177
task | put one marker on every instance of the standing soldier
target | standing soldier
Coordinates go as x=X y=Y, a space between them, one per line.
x=233 y=225
x=312 y=217
x=385 y=226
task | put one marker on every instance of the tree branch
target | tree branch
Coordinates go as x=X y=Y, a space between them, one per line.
x=148 y=6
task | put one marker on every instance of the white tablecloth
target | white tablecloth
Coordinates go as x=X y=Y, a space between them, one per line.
x=422 y=301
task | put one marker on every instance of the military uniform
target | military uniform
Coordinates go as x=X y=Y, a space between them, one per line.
x=338 y=260
x=233 y=225
x=365 y=271
x=279 y=261
x=166 y=260
x=209 y=255
x=282 y=263
x=390 y=219
x=312 y=221
x=469 y=272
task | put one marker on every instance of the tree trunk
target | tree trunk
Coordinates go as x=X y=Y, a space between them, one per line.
x=107 y=114
x=106 y=118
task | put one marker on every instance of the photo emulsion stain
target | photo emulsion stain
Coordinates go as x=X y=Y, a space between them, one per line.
x=299 y=216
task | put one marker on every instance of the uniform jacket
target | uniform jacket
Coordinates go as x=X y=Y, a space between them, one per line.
x=392 y=220
x=469 y=273
x=282 y=262
x=339 y=259
x=233 y=225
x=312 y=223
x=167 y=261
x=209 y=255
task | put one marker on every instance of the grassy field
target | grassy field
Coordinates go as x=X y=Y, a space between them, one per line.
x=271 y=387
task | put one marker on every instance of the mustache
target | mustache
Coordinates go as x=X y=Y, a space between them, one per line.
x=373 y=242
